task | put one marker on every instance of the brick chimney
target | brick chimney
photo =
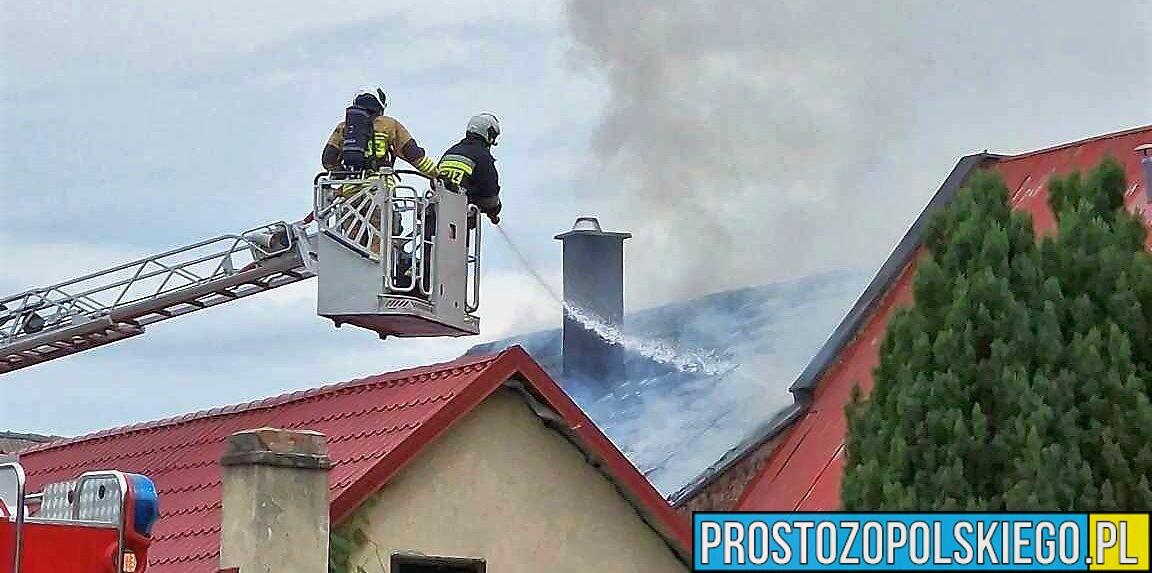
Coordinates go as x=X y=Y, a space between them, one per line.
x=594 y=283
x=275 y=502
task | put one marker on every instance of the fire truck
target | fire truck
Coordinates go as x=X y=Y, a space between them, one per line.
x=392 y=251
x=101 y=522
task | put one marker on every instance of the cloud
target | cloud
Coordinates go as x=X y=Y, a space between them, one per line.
x=117 y=39
x=184 y=152
x=31 y=264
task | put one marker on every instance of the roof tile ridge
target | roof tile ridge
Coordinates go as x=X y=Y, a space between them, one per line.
x=1078 y=143
x=460 y=365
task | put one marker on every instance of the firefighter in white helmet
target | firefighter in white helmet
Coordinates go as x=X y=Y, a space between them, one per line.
x=469 y=165
x=368 y=140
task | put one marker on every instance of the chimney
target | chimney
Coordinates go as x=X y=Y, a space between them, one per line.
x=1145 y=152
x=594 y=283
x=275 y=502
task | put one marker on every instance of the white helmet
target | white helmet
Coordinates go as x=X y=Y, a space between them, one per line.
x=486 y=125
x=376 y=94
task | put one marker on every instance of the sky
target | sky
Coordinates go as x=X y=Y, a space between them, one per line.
x=742 y=143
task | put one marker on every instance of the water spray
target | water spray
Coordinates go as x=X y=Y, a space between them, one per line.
x=528 y=266
x=691 y=361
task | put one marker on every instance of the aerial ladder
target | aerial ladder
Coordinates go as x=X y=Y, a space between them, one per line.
x=396 y=258
x=100 y=522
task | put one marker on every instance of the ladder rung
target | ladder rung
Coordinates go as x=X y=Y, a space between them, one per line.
x=87 y=320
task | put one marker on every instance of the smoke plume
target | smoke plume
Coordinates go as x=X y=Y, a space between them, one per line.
x=739 y=130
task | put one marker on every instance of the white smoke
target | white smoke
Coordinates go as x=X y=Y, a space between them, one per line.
x=740 y=129
x=735 y=135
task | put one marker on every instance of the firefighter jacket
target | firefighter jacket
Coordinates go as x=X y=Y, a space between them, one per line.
x=390 y=139
x=470 y=165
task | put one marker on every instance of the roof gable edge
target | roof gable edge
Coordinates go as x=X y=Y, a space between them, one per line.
x=891 y=269
x=515 y=362
x=487 y=380
x=586 y=436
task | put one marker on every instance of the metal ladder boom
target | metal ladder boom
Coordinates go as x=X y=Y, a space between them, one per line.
x=117 y=303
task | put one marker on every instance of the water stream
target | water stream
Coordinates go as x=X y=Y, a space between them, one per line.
x=704 y=362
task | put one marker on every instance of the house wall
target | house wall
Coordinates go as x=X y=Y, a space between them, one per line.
x=723 y=491
x=503 y=487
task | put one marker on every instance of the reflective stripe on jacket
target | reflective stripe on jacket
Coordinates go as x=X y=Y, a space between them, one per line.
x=390 y=139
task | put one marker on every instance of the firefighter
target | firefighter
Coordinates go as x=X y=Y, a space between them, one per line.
x=369 y=141
x=469 y=165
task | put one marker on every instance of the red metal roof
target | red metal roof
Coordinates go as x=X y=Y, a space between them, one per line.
x=374 y=426
x=803 y=472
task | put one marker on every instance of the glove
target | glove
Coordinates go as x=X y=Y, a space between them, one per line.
x=494 y=218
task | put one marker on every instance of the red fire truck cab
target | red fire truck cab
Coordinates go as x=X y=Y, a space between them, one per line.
x=100 y=522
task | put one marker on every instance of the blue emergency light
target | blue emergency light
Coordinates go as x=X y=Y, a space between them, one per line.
x=146 y=508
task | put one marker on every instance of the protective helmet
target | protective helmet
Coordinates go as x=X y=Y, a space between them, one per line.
x=486 y=125
x=371 y=98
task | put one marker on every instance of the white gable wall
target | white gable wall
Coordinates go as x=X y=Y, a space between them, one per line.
x=503 y=487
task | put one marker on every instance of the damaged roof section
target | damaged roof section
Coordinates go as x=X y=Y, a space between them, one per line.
x=742 y=349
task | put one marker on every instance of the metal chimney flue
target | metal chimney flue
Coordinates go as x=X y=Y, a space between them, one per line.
x=593 y=283
x=1145 y=152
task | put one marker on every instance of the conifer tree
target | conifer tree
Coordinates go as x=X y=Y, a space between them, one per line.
x=1021 y=377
